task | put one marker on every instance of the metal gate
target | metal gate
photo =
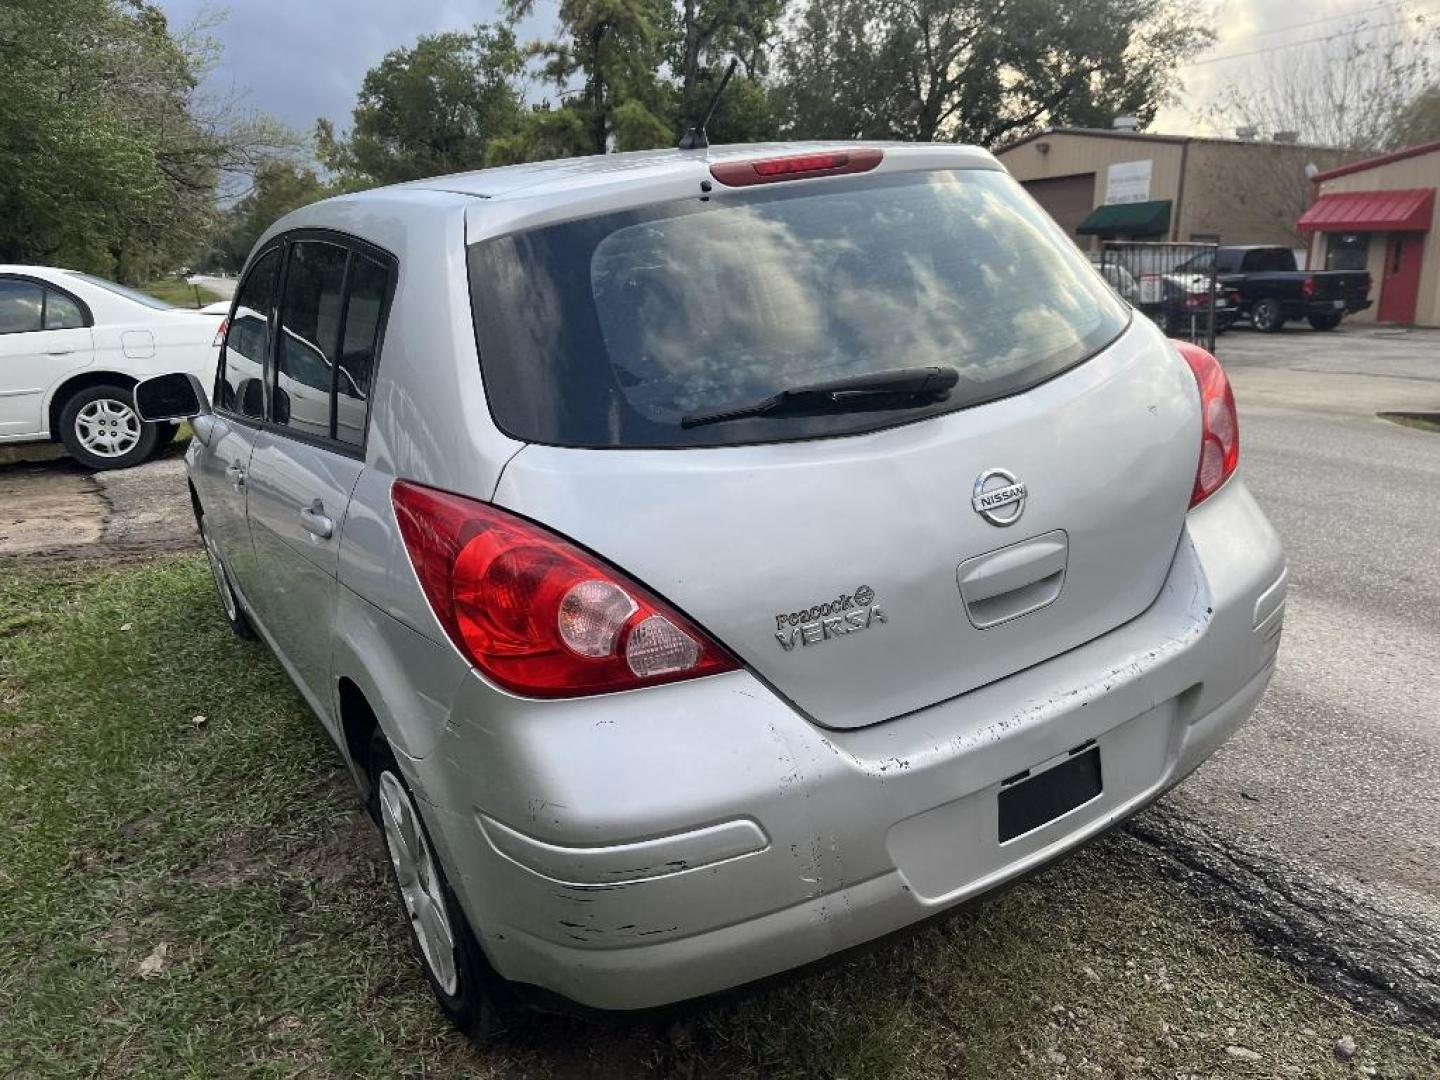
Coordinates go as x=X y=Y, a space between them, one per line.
x=1174 y=284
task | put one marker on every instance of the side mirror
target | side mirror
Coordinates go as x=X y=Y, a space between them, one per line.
x=170 y=397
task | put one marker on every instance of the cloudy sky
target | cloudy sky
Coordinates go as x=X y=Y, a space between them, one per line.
x=302 y=59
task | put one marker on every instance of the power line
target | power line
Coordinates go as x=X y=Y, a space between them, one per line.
x=1354 y=15
x=1352 y=32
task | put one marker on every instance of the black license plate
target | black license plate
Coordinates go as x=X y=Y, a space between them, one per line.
x=1030 y=801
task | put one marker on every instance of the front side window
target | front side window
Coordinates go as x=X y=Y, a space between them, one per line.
x=612 y=330
x=309 y=337
x=61 y=312
x=241 y=387
x=22 y=306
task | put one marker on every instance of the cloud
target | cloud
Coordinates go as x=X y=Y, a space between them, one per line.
x=299 y=60
x=1269 y=30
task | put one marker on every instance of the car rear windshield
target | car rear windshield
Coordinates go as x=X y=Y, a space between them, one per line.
x=607 y=331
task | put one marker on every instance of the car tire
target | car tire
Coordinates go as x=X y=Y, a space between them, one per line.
x=1267 y=317
x=466 y=988
x=229 y=601
x=165 y=435
x=1327 y=321
x=100 y=429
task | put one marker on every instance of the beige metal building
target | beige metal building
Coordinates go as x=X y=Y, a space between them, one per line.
x=1378 y=214
x=1118 y=184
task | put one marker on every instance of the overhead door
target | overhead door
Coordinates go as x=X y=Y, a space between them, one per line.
x=1065 y=198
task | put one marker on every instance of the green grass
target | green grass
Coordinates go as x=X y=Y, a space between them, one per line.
x=177 y=291
x=238 y=844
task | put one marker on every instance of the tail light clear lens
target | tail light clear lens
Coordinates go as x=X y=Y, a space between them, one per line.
x=536 y=614
x=1220 y=430
x=220 y=333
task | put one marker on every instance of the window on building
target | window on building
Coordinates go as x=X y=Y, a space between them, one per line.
x=1347 y=251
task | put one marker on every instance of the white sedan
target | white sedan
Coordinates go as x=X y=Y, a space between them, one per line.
x=72 y=348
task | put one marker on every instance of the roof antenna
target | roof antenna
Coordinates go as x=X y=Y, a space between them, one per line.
x=695 y=138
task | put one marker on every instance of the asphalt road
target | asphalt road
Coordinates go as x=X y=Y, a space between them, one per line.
x=1329 y=799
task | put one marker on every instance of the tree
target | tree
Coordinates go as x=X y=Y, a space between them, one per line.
x=109 y=152
x=977 y=71
x=279 y=187
x=1419 y=121
x=1355 y=89
x=615 y=49
x=708 y=32
x=429 y=109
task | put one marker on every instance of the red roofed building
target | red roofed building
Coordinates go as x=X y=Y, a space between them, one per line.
x=1379 y=215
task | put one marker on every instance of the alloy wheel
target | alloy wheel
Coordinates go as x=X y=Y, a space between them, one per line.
x=419 y=880
x=107 y=428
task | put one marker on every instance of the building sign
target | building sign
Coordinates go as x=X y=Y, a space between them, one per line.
x=1128 y=182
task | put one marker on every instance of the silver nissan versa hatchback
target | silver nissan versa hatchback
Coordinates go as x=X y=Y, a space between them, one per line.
x=708 y=561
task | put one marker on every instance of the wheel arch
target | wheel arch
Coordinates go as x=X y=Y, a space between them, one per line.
x=80 y=381
x=358 y=724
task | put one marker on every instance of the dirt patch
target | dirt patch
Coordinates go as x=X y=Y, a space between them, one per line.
x=57 y=510
x=53 y=506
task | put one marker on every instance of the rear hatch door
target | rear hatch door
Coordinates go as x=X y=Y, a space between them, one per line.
x=877 y=559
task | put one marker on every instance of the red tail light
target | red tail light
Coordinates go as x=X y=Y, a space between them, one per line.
x=1234 y=299
x=1220 y=430
x=536 y=614
x=797 y=167
x=1307 y=287
x=220 y=333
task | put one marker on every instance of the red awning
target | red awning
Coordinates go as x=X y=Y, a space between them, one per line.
x=1384 y=211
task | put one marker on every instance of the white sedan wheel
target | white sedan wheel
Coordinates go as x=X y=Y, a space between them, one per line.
x=107 y=428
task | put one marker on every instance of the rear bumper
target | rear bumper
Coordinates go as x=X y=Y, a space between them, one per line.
x=638 y=849
x=1300 y=309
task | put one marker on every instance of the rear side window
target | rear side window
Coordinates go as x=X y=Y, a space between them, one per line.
x=359 y=343
x=309 y=337
x=61 y=312
x=607 y=331
x=241 y=387
x=22 y=306
x=1269 y=260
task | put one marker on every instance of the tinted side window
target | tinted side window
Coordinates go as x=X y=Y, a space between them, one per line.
x=241 y=386
x=62 y=313
x=22 y=304
x=363 y=305
x=309 y=338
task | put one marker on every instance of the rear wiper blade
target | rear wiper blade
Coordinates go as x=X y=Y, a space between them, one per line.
x=877 y=388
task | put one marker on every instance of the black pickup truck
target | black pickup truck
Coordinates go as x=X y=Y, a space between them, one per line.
x=1264 y=285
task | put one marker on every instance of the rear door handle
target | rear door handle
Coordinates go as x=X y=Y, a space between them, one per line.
x=235 y=473
x=315 y=522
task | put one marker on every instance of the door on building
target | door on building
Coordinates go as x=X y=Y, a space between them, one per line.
x=1067 y=199
x=1400 y=281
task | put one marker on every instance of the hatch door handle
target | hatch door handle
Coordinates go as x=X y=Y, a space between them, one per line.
x=315 y=522
x=1013 y=581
